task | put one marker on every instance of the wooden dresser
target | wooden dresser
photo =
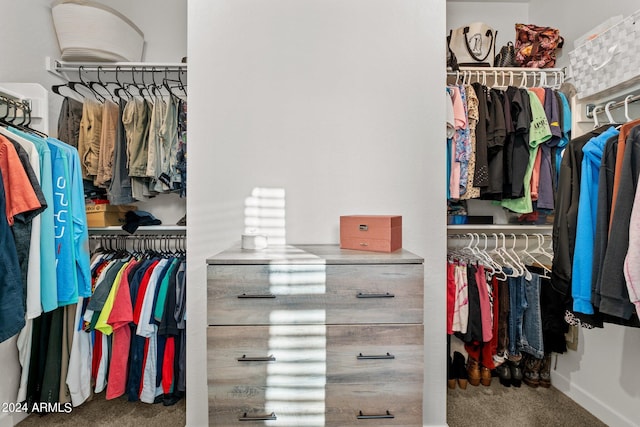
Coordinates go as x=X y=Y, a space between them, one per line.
x=315 y=335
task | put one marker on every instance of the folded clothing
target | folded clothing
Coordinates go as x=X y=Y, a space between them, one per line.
x=134 y=219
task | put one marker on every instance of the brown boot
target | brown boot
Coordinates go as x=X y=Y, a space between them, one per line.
x=473 y=371
x=545 y=371
x=485 y=376
x=531 y=376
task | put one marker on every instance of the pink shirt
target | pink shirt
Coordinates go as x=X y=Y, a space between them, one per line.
x=632 y=260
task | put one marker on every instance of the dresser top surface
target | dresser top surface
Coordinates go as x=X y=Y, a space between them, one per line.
x=311 y=254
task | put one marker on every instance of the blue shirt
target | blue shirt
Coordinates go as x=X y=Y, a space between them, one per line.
x=80 y=227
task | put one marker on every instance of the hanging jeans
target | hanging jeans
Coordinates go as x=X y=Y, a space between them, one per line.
x=531 y=339
x=517 y=305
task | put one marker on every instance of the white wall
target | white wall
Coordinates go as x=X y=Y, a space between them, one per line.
x=337 y=102
x=29 y=37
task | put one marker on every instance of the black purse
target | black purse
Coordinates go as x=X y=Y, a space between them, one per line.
x=506 y=57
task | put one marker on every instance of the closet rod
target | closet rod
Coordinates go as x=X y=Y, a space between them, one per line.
x=612 y=105
x=515 y=70
x=12 y=95
x=62 y=66
x=497 y=228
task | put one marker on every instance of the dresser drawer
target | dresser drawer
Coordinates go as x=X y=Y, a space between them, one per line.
x=378 y=404
x=315 y=354
x=314 y=293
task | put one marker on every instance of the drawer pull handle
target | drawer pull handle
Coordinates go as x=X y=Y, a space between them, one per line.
x=244 y=358
x=375 y=356
x=271 y=417
x=362 y=416
x=385 y=295
x=256 y=296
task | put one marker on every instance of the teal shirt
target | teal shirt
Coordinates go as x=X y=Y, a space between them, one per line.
x=162 y=293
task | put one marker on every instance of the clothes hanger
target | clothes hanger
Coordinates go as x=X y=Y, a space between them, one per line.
x=74 y=93
x=546 y=271
x=497 y=268
x=608 y=112
x=100 y=84
x=516 y=265
x=626 y=108
x=540 y=249
x=523 y=80
x=496 y=252
x=525 y=272
x=596 y=123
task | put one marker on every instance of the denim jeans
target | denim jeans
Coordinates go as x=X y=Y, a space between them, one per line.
x=531 y=339
x=517 y=305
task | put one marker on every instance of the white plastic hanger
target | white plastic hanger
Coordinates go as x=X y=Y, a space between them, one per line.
x=626 y=108
x=608 y=112
x=596 y=124
x=502 y=260
x=496 y=266
x=546 y=271
x=523 y=267
x=523 y=80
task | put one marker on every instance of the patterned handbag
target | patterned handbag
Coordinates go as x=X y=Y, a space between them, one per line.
x=536 y=46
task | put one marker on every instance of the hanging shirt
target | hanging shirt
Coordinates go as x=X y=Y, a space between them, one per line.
x=539 y=132
x=48 y=277
x=121 y=315
x=587 y=209
x=102 y=325
x=80 y=233
x=615 y=297
x=472 y=118
x=11 y=308
x=18 y=193
x=632 y=259
x=26 y=228
x=518 y=156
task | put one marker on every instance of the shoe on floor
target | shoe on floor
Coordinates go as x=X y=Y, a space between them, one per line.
x=473 y=371
x=459 y=370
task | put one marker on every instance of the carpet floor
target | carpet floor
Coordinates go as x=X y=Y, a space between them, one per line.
x=495 y=405
x=100 y=412
x=526 y=406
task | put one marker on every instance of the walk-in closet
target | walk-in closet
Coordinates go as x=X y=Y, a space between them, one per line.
x=300 y=112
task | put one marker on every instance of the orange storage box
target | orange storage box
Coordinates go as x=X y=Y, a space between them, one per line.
x=377 y=233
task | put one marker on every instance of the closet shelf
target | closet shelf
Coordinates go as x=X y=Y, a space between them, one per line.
x=90 y=70
x=148 y=229
x=493 y=228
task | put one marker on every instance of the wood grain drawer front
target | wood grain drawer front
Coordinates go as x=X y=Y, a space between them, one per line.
x=334 y=405
x=333 y=294
x=314 y=354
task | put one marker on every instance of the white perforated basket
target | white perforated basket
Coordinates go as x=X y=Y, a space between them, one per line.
x=610 y=61
x=90 y=31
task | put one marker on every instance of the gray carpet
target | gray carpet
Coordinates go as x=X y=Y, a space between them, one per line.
x=117 y=412
x=497 y=405
x=476 y=406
